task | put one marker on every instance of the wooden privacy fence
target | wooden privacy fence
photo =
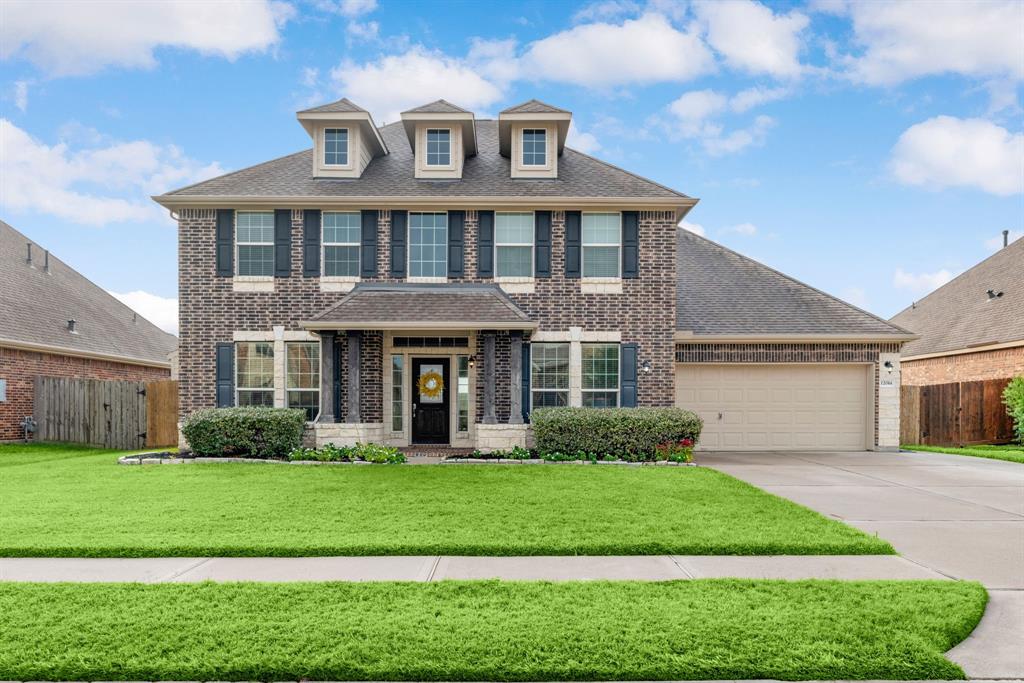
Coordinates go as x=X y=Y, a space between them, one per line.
x=123 y=414
x=955 y=414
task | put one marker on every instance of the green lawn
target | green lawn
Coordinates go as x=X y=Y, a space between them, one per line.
x=1012 y=453
x=61 y=501
x=486 y=630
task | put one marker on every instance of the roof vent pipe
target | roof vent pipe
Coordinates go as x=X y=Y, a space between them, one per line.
x=1006 y=237
x=28 y=259
x=71 y=326
x=46 y=261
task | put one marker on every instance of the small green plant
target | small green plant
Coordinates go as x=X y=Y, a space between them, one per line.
x=245 y=431
x=1013 y=397
x=515 y=453
x=366 y=452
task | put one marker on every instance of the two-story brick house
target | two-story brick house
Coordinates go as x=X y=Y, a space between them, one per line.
x=434 y=279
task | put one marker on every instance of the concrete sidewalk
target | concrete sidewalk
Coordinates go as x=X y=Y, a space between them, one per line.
x=439 y=568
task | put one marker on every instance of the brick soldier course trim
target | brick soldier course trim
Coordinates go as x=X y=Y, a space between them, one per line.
x=781 y=353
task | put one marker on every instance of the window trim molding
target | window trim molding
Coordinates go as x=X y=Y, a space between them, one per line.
x=517 y=279
x=348 y=165
x=323 y=251
x=409 y=277
x=600 y=279
x=522 y=149
x=426 y=149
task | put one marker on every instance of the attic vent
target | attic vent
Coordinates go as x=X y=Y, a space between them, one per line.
x=28 y=259
x=993 y=294
x=72 y=323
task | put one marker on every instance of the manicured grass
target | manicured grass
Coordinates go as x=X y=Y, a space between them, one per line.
x=486 y=630
x=80 y=502
x=1012 y=453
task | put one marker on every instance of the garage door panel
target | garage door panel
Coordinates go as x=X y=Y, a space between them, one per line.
x=776 y=407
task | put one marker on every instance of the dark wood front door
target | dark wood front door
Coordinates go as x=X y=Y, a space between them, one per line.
x=430 y=420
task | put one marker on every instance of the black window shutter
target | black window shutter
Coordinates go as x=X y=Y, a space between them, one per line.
x=456 y=238
x=311 y=242
x=526 y=382
x=368 y=253
x=573 y=243
x=485 y=245
x=399 y=239
x=225 y=242
x=627 y=375
x=282 y=242
x=630 y=244
x=225 y=375
x=542 y=244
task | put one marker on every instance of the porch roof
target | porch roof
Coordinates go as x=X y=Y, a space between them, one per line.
x=420 y=306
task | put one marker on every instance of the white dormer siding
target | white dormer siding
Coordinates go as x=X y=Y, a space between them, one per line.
x=453 y=123
x=517 y=122
x=355 y=125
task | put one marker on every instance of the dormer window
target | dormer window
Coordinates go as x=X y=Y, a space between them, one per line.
x=336 y=147
x=439 y=147
x=534 y=147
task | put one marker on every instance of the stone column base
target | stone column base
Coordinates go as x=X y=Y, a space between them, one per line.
x=503 y=436
x=348 y=433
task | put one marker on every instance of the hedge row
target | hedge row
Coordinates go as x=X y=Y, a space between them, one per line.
x=251 y=432
x=632 y=434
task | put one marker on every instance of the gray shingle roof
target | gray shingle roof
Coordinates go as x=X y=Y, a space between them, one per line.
x=535 y=107
x=960 y=314
x=471 y=305
x=35 y=307
x=722 y=292
x=344 y=106
x=438 y=107
x=485 y=174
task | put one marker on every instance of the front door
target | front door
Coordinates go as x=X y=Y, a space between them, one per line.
x=430 y=400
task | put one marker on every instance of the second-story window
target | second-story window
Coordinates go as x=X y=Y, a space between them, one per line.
x=439 y=147
x=254 y=239
x=513 y=244
x=336 y=146
x=534 y=147
x=428 y=245
x=602 y=240
x=341 y=243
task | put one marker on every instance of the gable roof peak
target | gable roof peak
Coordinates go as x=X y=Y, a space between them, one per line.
x=535 y=106
x=438 y=107
x=344 y=105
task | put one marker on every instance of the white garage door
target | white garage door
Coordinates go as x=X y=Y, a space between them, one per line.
x=776 y=407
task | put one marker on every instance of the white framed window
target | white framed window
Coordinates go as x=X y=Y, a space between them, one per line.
x=397 y=392
x=341 y=243
x=335 y=146
x=602 y=242
x=535 y=147
x=513 y=244
x=428 y=245
x=549 y=375
x=439 y=147
x=254 y=374
x=302 y=377
x=600 y=375
x=254 y=243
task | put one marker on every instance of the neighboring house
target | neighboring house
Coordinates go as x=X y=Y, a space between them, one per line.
x=435 y=279
x=972 y=327
x=54 y=322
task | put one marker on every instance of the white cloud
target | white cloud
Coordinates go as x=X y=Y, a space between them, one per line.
x=494 y=59
x=695 y=114
x=856 y=296
x=694 y=107
x=996 y=243
x=395 y=83
x=310 y=76
x=755 y=97
x=946 y=151
x=364 y=31
x=356 y=8
x=748 y=229
x=68 y=37
x=753 y=135
x=159 y=310
x=906 y=40
x=920 y=283
x=21 y=95
x=608 y=9
x=695 y=228
x=752 y=38
x=583 y=142
x=600 y=55
x=94 y=186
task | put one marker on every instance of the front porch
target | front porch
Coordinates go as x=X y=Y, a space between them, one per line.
x=425 y=366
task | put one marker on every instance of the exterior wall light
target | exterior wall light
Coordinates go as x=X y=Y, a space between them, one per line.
x=645 y=367
x=472 y=362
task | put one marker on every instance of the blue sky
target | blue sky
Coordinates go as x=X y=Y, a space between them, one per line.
x=872 y=150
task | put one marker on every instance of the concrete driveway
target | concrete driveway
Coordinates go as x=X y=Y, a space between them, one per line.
x=960 y=516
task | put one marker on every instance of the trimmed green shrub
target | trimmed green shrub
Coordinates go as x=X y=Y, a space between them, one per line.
x=365 y=452
x=632 y=434
x=1013 y=397
x=248 y=432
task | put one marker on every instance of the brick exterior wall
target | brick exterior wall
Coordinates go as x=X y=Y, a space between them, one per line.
x=885 y=399
x=211 y=311
x=20 y=369
x=965 y=367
